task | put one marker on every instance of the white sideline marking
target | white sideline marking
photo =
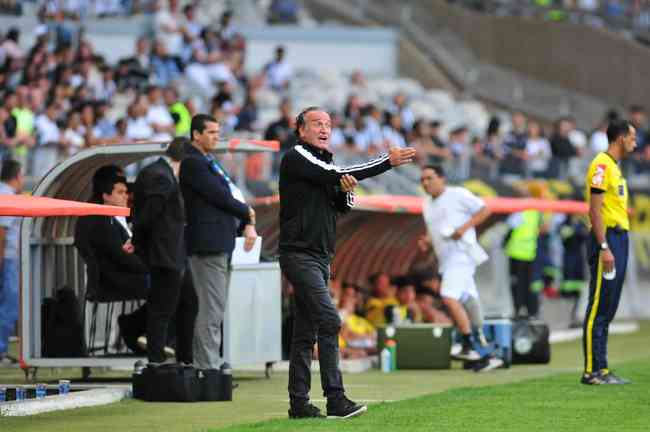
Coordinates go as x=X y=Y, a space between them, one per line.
x=72 y=400
x=573 y=334
x=346 y=365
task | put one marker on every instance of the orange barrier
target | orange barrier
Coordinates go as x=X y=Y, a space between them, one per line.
x=382 y=231
x=273 y=145
x=30 y=206
x=232 y=143
x=513 y=205
x=413 y=204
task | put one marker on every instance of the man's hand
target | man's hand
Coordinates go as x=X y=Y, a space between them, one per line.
x=128 y=247
x=348 y=183
x=401 y=156
x=458 y=233
x=607 y=258
x=250 y=235
x=251 y=214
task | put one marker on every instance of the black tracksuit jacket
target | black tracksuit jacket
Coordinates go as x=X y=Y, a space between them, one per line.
x=311 y=198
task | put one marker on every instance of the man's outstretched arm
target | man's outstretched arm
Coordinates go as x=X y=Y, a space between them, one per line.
x=307 y=166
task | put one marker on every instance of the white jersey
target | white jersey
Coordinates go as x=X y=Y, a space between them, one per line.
x=443 y=215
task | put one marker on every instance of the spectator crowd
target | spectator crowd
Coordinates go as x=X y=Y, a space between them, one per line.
x=618 y=15
x=61 y=96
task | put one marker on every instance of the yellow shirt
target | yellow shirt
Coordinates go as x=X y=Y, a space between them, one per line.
x=357 y=325
x=604 y=174
x=375 y=309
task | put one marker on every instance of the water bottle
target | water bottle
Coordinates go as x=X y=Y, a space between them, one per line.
x=21 y=394
x=41 y=391
x=397 y=316
x=226 y=382
x=64 y=387
x=386 y=362
x=392 y=347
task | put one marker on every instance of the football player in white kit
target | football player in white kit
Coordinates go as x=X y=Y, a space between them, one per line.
x=450 y=214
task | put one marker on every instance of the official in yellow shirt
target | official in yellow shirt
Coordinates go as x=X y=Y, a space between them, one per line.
x=606 y=193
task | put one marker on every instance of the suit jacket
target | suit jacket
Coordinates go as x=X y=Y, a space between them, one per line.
x=158 y=217
x=213 y=215
x=112 y=273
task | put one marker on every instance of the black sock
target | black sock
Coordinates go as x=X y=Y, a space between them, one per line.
x=467 y=341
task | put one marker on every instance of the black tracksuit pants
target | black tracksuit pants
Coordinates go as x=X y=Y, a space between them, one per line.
x=521 y=279
x=171 y=294
x=316 y=319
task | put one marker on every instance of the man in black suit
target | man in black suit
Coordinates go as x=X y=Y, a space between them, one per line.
x=216 y=212
x=115 y=273
x=158 y=237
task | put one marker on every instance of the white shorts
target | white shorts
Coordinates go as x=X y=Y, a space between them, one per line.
x=458 y=284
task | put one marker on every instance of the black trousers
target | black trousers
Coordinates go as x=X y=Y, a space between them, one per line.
x=521 y=279
x=316 y=319
x=171 y=294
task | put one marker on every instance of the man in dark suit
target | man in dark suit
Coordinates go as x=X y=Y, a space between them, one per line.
x=216 y=212
x=115 y=273
x=158 y=237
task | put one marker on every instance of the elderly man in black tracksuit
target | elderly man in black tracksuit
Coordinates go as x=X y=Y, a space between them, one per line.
x=312 y=192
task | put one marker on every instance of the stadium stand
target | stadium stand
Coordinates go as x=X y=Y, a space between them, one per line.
x=110 y=107
x=629 y=17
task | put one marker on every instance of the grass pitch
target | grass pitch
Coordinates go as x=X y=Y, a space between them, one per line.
x=555 y=403
x=523 y=398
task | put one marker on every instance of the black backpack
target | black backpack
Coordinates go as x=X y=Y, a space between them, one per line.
x=62 y=332
x=530 y=342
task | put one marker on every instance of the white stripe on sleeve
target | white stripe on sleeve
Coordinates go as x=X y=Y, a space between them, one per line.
x=313 y=159
x=346 y=170
x=366 y=165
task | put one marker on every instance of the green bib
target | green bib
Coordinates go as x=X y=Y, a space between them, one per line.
x=522 y=244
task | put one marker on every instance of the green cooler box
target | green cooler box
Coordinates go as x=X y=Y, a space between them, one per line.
x=419 y=346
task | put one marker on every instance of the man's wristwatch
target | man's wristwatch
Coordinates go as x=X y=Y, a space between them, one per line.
x=604 y=246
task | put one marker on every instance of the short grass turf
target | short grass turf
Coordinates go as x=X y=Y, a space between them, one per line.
x=555 y=403
x=523 y=398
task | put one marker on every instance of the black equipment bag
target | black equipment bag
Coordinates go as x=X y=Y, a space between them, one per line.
x=530 y=342
x=62 y=333
x=215 y=386
x=167 y=383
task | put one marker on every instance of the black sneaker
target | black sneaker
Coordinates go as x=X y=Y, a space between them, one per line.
x=343 y=407
x=594 y=378
x=611 y=378
x=303 y=411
